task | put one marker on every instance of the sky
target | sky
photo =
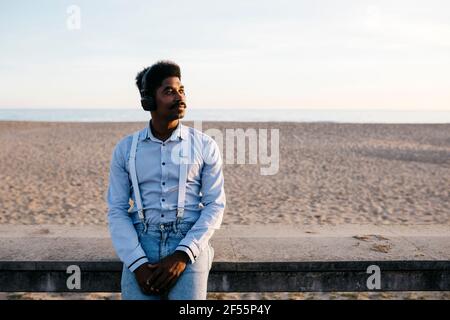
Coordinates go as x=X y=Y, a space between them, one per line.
x=322 y=54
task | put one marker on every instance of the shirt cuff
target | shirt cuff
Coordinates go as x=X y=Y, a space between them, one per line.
x=192 y=253
x=136 y=259
x=137 y=263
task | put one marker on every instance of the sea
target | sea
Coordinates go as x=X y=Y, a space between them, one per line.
x=243 y=115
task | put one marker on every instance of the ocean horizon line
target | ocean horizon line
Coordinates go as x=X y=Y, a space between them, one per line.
x=232 y=115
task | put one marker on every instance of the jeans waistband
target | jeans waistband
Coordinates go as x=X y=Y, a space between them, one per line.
x=135 y=216
x=169 y=226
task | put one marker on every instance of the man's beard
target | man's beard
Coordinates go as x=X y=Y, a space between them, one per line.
x=177 y=116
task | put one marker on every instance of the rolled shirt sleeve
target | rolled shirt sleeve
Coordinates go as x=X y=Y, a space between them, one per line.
x=213 y=200
x=123 y=234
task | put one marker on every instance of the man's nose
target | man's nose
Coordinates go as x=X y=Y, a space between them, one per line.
x=179 y=96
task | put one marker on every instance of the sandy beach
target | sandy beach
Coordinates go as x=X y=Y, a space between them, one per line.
x=57 y=173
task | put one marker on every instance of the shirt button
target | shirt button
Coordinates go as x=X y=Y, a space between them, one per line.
x=163 y=144
x=162 y=216
x=163 y=183
x=163 y=163
x=163 y=200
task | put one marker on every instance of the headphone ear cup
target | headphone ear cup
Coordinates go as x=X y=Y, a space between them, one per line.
x=148 y=103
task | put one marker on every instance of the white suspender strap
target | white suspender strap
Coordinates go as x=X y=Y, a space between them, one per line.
x=137 y=193
x=184 y=152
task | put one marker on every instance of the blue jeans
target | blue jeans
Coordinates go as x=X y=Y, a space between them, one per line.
x=159 y=241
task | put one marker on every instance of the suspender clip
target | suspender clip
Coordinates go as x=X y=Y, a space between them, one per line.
x=180 y=212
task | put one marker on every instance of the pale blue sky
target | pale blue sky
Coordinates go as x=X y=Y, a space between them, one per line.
x=238 y=54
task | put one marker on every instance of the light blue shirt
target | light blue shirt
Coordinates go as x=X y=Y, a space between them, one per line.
x=157 y=176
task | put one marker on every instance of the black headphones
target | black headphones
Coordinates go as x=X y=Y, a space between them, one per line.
x=147 y=100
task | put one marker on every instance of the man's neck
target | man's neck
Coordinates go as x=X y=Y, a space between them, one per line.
x=163 y=130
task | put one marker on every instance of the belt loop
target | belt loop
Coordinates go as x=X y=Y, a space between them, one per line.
x=142 y=218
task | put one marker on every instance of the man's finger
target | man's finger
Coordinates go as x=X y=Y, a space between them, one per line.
x=155 y=275
x=171 y=283
x=143 y=283
x=165 y=287
x=154 y=269
x=165 y=275
x=145 y=288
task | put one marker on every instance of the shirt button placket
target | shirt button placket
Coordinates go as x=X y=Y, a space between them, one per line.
x=163 y=176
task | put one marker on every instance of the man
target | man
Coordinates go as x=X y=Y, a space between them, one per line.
x=165 y=197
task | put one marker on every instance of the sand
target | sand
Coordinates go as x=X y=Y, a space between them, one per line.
x=57 y=173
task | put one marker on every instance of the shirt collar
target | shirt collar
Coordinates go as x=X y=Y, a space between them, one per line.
x=179 y=133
